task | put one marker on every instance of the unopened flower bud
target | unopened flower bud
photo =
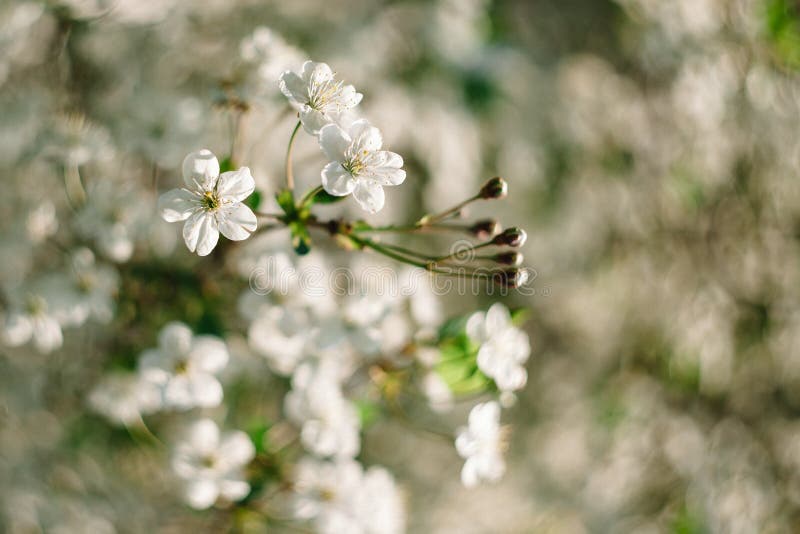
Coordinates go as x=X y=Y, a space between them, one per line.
x=494 y=188
x=485 y=228
x=512 y=258
x=512 y=237
x=511 y=278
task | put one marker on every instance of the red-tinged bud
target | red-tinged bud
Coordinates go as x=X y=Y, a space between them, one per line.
x=513 y=258
x=511 y=278
x=512 y=237
x=494 y=189
x=485 y=229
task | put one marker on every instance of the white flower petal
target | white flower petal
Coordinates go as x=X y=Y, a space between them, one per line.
x=236 y=185
x=349 y=98
x=336 y=180
x=234 y=490
x=469 y=474
x=236 y=449
x=385 y=175
x=177 y=391
x=334 y=142
x=203 y=436
x=175 y=339
x=17 y=330
x=177 y=205
x=206 y=391
x=476 y=330
x=497 y=317
x=201 y=168
x=47 y=334
x=209 y=353
x=365 y=136
x=485 y=417
x=294 y=88
x=369 y=195
x=313 y=120
x=152 y=367
x=316 y=73
x=201 y=233
x=511 y=378
x=201 y=494
x=236 y=221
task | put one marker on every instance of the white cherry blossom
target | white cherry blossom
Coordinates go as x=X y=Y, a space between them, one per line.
x=482 y=444
x=269 y=55
x=124 y=397
x=329 y=422
x=504 y=348
x=358 y=165
x=184 y=367
x=116 y=215
x=33 y=321
x=210 y=203
x=341 y=496
x=38 y=312
x=211 y=464
x=95 y=285
x=317 y=96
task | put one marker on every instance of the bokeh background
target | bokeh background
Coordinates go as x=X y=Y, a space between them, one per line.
x=652 y=153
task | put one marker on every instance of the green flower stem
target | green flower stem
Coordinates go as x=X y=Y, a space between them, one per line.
x=73 y=185
x=454 y=255
x=427 y=220
x=289 y=172
x=429 y=266
x=413 y=228
x=308 y=197
x=409 y=252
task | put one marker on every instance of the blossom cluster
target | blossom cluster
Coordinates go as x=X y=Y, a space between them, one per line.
x=648 y=384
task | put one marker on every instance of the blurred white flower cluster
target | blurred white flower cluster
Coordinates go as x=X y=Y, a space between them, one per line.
x=148 y=337
x=652 y=152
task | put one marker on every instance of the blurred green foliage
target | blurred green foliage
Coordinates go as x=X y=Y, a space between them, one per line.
x=783 y=29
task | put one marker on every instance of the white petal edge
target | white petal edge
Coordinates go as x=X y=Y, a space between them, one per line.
x=201 y=167
x=201 y=233
x=334 y=142
x=177 y=205
x=236 y=221
x=336 y=180
x=369 y=194
x=236 y=185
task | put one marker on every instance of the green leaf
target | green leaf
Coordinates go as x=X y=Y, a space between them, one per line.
x=459 y=348
x=455 y=371
x=258 y=432
x=476 y=382
x=225 y=165
x=688 y=523
x=368 y=412
x=783 y=29
x=452 y=328
x=323 y=197
x=285 y=200
x=301 y=240
x=519 y=316
x=253 y=201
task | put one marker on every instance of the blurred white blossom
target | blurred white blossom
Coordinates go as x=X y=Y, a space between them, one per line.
x=211 y=464
x=482 y=444
x=341 y=496
x=504 y=348
x=184 y=367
